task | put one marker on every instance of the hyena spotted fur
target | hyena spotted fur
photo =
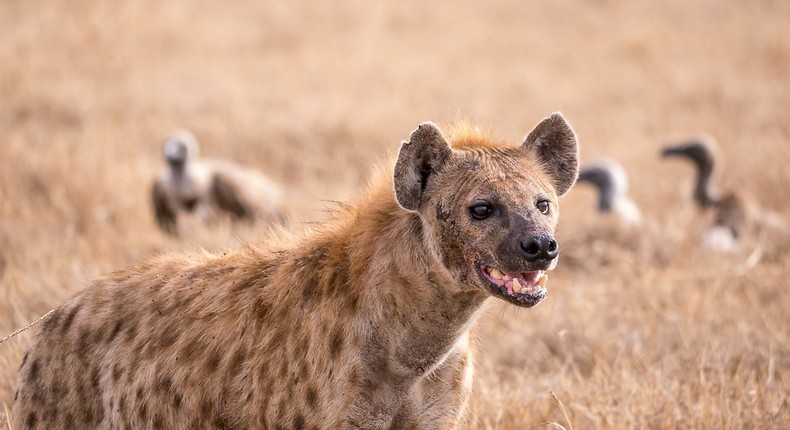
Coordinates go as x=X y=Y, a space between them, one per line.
x=363 y=323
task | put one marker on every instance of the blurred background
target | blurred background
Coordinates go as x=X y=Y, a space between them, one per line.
x=642 y=329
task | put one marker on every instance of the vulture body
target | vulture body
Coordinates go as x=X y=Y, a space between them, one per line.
x=611 y=181
x=731 y=214
x=208 y=187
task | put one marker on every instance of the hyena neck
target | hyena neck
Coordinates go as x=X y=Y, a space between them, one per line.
x=417 y=310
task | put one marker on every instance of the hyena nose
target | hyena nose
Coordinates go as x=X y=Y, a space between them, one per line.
x=539 y=248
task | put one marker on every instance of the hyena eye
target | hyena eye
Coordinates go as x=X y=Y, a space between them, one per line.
x=543 y=206
x=481 y=211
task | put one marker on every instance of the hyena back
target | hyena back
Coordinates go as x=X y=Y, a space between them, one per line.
x=362 y=324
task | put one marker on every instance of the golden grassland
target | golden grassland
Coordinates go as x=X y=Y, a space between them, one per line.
x=641 y=329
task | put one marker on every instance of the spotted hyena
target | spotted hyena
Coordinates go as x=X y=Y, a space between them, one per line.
x=363 y=323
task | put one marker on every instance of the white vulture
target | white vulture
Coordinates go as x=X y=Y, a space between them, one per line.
x=731 y=214
x=610 y=179
x=207 y=187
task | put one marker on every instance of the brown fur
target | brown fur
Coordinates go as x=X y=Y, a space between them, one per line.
x=363 y=324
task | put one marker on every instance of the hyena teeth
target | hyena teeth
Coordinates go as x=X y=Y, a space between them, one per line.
x=517 y=286
x=543 y=279
x=496 y=274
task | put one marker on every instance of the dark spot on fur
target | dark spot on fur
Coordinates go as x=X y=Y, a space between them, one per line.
x=352 y=302
x=38 y=396
x=122 y=405
x=81 y=348
x=309 y=294
x=30 y=422
x=159 y=422
x=370 y=384
x=69 y=319
x=190 y=351
x=142 y=412
x=303 y=369
x=165 y=385
x=336 y=344
x=24 y=359
x=87 y=413
x=97 y=336
x=241 y=286
x=264 y=271
x=222 y=422
x=441 y=213
x=313 y=256
x=53 y=319
x=80 y=390
x=311 y=397
x=115 y=330
x=169 y=336
x=238 y=358
x=117 y=371
x=16 y=395
x=213 y=362
x=100 y=413
x=376 y=358
x=177 y=400
x=261 y=309
x=206 y=409
x=33 y=370
x=338 y=279
x=59 y=389
x=276 y=340
x=49 y=415
x=298 y=422
x=95 y=378
x=302 y=347
x=289 y=391
x=131 y=331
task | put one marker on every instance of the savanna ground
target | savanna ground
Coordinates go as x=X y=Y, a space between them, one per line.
x=641 y=330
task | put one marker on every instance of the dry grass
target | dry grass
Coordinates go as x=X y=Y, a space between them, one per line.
x=640 y=331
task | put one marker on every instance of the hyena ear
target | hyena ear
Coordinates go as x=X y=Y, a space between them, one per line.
x=424 y=154
x=554 y=142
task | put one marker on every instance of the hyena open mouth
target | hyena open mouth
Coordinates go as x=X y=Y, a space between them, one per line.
x=524 y=289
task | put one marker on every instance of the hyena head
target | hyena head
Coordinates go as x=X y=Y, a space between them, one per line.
x=488 y=210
